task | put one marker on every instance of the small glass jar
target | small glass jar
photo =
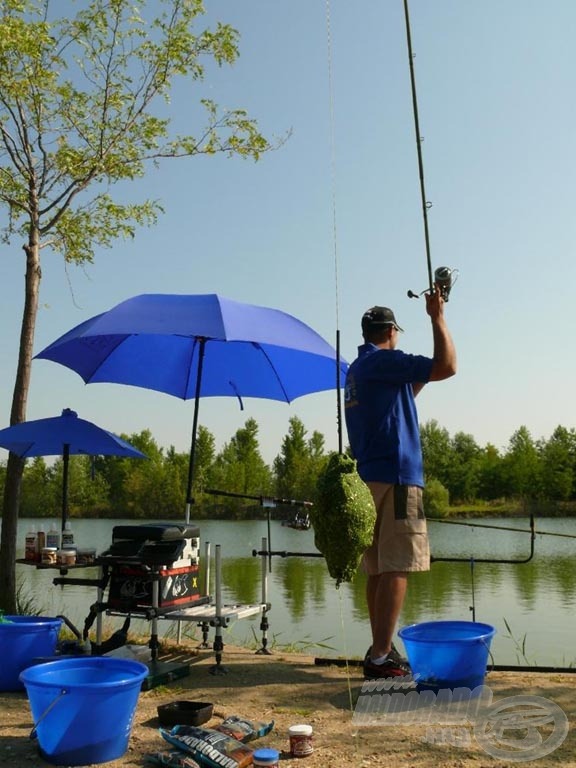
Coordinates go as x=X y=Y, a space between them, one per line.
x=48 y=555
x=300 y=740
x=85 y=556
x=66 y=557
x=266 y=757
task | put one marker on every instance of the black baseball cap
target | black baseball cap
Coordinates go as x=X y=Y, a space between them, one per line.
x=377 y=316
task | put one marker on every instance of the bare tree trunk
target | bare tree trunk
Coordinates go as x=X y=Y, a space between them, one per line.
x=15 y=468
x=9 y=534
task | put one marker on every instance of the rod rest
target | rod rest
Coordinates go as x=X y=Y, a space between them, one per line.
x=77 y=582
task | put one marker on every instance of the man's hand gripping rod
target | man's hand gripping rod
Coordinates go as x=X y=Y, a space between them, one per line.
x=444 y=278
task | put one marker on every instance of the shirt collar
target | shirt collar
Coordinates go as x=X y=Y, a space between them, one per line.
x=367 y=348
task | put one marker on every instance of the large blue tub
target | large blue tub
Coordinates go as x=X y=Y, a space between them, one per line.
x=448 y=654
x=23 y=639
x=83 y=707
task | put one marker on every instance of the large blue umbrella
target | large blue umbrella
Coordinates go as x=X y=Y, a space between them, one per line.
x=194 y=346
x=64 y=436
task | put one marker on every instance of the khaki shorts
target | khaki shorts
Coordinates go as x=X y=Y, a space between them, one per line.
x=400 y=540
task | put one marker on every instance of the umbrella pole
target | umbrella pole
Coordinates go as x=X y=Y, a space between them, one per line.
x=65 y=461
x=189 y=499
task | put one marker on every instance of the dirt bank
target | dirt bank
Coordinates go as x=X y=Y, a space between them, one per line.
x=291 y=689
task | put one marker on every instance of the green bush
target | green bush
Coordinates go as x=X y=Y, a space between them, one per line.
x=436 y=499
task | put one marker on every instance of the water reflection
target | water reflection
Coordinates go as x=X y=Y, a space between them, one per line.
x=245 y=576
x=301 y=584
x=528 y=597
x=536 y=599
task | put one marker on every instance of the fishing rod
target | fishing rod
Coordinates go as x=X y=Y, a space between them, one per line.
x=283 y=553
x=268 y=503
x=503 y=561
x=265 y=501
x=502 y=528
x=531 y=530
x=325 y=661
x=444 y=277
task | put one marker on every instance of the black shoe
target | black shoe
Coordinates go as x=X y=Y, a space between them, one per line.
x=369 y=651
x=394 y=666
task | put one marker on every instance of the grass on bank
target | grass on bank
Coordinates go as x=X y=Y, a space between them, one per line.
x=511 y=508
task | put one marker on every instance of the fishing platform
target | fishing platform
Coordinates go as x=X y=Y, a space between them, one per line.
x=153 y=571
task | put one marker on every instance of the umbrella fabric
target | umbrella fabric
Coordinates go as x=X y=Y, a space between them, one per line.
x=49 y=437
x=194 y=346
x=62 y=436
x=154 y=340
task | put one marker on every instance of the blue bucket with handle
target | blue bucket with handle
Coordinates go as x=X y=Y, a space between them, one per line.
x=83 y=707
x=448 y=654
x=23 y=639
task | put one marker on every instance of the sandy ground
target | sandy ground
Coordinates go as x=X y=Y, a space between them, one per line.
x=291 y=689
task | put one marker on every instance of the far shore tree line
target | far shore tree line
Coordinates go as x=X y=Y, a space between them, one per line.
x=528 y=474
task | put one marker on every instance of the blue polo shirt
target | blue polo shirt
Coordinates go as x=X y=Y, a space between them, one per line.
x=381 y=416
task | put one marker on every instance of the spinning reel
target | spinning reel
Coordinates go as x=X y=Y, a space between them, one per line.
x=444 y=278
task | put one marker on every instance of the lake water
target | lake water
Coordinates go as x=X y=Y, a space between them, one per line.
x=536 y=599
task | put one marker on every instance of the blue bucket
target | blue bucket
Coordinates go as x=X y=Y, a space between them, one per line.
x=23 y=639
x=448 y=654
x=83 y=707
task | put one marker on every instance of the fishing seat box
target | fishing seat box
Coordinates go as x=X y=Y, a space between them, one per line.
x=163 y=552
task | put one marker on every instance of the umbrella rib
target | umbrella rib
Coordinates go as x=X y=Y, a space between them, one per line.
x=271 y=364
x=98 y=365
x=237 y=393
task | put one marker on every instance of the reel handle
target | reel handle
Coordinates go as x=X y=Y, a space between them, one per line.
x=444 y=278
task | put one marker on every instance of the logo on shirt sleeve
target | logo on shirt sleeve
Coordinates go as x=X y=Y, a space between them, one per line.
x=350 y=398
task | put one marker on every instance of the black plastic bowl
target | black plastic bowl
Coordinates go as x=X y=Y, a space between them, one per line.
x=185 y=713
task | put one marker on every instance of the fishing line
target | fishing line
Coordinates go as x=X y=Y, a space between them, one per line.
x=337 y=297
x=473 y=606
x=343 y=626
x=334 y=225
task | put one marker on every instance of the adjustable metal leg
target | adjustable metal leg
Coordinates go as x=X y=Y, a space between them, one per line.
x=206 y=584
x=205 y=630
x=154 y=623
x=205 y=593
x=218 y=669
x=218 y=646
x=99 y=600
x=263 y=650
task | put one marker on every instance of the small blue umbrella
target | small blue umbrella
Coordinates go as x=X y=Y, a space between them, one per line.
x=205 y=345
x=64 y=436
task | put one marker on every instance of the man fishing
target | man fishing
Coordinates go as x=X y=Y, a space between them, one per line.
x=384 y=436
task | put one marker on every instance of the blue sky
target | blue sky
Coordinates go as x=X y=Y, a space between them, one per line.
x=496 y=83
